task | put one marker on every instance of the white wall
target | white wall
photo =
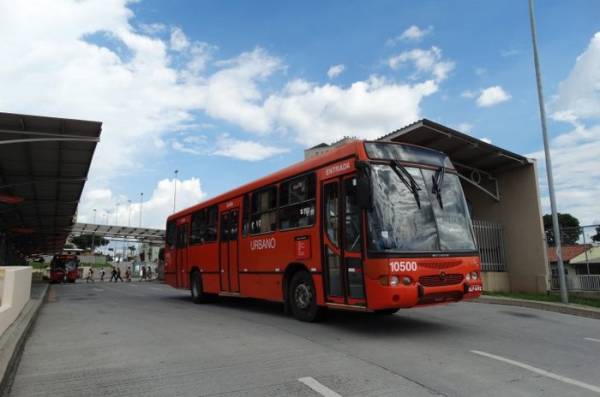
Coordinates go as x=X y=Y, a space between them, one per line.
x=15 y=290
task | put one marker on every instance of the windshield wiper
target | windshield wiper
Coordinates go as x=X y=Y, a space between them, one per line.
x=408 y=180
x=437 y=182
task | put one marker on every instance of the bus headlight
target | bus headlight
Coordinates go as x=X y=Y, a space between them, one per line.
x=474 y=276
x=394 y=280
x=468 y=276
x=406 y=280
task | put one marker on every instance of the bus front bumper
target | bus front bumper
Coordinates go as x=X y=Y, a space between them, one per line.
x=405 y=296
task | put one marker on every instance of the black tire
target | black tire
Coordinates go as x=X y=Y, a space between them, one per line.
x=386 y=312
x=197 y=291
x=302 y=298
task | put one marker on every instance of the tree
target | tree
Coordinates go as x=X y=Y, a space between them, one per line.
x=569 y=229
x=84 y=241
x=596 y=237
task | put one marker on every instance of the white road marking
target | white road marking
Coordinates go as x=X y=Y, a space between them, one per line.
x=539 y=371
x=318 y=387
x=592 y=339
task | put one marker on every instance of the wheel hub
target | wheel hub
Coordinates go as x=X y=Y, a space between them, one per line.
x=303 y=296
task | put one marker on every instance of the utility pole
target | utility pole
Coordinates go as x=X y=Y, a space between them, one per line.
x=564 y=296
x=128 y=213
x=141 y=205
x=94 y=238
x=175 y=190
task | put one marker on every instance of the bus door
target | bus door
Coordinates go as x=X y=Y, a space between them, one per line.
x=342 y=242
x=181 y=252
x=228 y=250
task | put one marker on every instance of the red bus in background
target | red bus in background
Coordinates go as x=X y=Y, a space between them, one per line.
x=370 y=226
x=64 y=268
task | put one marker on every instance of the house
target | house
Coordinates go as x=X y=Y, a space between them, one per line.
x=569 y=252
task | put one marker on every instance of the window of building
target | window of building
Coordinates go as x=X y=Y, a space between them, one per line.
x=263 y=208
x=297 y=202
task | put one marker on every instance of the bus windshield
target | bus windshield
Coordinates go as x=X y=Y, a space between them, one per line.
x=426 y=215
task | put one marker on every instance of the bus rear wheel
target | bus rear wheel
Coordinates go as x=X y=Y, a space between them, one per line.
x=303 y=298
x=198 y=295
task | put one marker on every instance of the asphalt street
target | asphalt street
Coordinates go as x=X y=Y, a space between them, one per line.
x=148 y=339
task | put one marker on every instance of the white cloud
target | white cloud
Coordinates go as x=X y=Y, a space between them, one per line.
x=492 y=96
x=575 y=161
x=464 y=127
x=335 y=71
x=579 y=95
x=227 y=146
x=367 y=109
x=413 y=33
x=179 y=40
x=245 y=150
x=155 y=208
x=468 y=94
x=424 y=61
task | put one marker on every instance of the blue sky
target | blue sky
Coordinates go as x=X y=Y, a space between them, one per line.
x=226 y=92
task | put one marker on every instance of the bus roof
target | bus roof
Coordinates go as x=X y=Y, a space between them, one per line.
x=344 y=151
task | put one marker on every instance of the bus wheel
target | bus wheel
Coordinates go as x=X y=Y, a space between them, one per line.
x=386 y=312
x=303 y=298
x=196 y=288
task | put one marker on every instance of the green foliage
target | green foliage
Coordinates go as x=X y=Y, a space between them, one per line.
x=85 y=241
x=569 y=229
x=550 y=297
x=596 y=237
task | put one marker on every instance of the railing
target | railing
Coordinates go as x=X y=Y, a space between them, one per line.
x=491 y=245
x=580 y=282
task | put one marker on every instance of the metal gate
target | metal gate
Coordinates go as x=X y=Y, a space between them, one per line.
x=490 y=242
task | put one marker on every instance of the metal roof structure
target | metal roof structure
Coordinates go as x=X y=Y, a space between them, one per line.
x=143 y=234
x=44 y=163
x=460 y=147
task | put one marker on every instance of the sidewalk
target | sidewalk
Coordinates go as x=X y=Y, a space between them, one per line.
x=13 y=339
x=573 y=309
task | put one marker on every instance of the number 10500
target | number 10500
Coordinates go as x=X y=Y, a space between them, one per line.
x=403 y=266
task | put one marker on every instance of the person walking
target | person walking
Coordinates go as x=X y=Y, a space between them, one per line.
x=90 y=276
x=102 y=273
x=128 y=274
x=149 y=273
x=113 y=274
x=143 y=272
x=118 y=275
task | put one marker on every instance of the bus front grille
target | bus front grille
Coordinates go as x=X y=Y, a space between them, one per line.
x=439 y=280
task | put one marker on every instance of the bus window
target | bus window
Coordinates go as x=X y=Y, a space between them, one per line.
x=297 y=202
x=170 y=235
x=264 y=211
x=331 y=212
x=210 y=233
x=246 y=215
x=198 y=227
x=352 y=241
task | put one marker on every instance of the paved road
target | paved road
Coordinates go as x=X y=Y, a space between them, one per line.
x=146 y=339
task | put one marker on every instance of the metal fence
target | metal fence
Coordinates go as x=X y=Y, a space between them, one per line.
x=581 y=256
x=490 y=241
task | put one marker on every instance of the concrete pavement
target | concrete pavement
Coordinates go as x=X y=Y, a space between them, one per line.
x=147 y=339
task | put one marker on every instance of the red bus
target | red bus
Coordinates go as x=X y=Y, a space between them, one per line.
x=64 y=268
x=370 y=226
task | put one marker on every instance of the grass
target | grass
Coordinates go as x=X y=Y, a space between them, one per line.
x=587 y=301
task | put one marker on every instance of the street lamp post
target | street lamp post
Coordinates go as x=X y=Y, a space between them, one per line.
x=141 y=205
x=175 y=190
x=128 y=213
x=564 y=297
x=94 y=239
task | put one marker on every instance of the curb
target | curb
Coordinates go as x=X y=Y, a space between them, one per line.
x=13 y=340
x=572 y=309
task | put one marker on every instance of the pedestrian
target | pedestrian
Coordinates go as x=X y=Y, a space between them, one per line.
x=118 y=275
x=113 y=274
x=149 y=273
x=102 y=273
x=90 y=276
x=143 y=272
x=128 y=274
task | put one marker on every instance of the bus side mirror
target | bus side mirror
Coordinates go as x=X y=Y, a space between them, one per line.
x=363 y=185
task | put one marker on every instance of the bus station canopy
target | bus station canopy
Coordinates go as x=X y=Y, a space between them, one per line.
x=44 y=163
x=462 y=149
x=152 y=236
